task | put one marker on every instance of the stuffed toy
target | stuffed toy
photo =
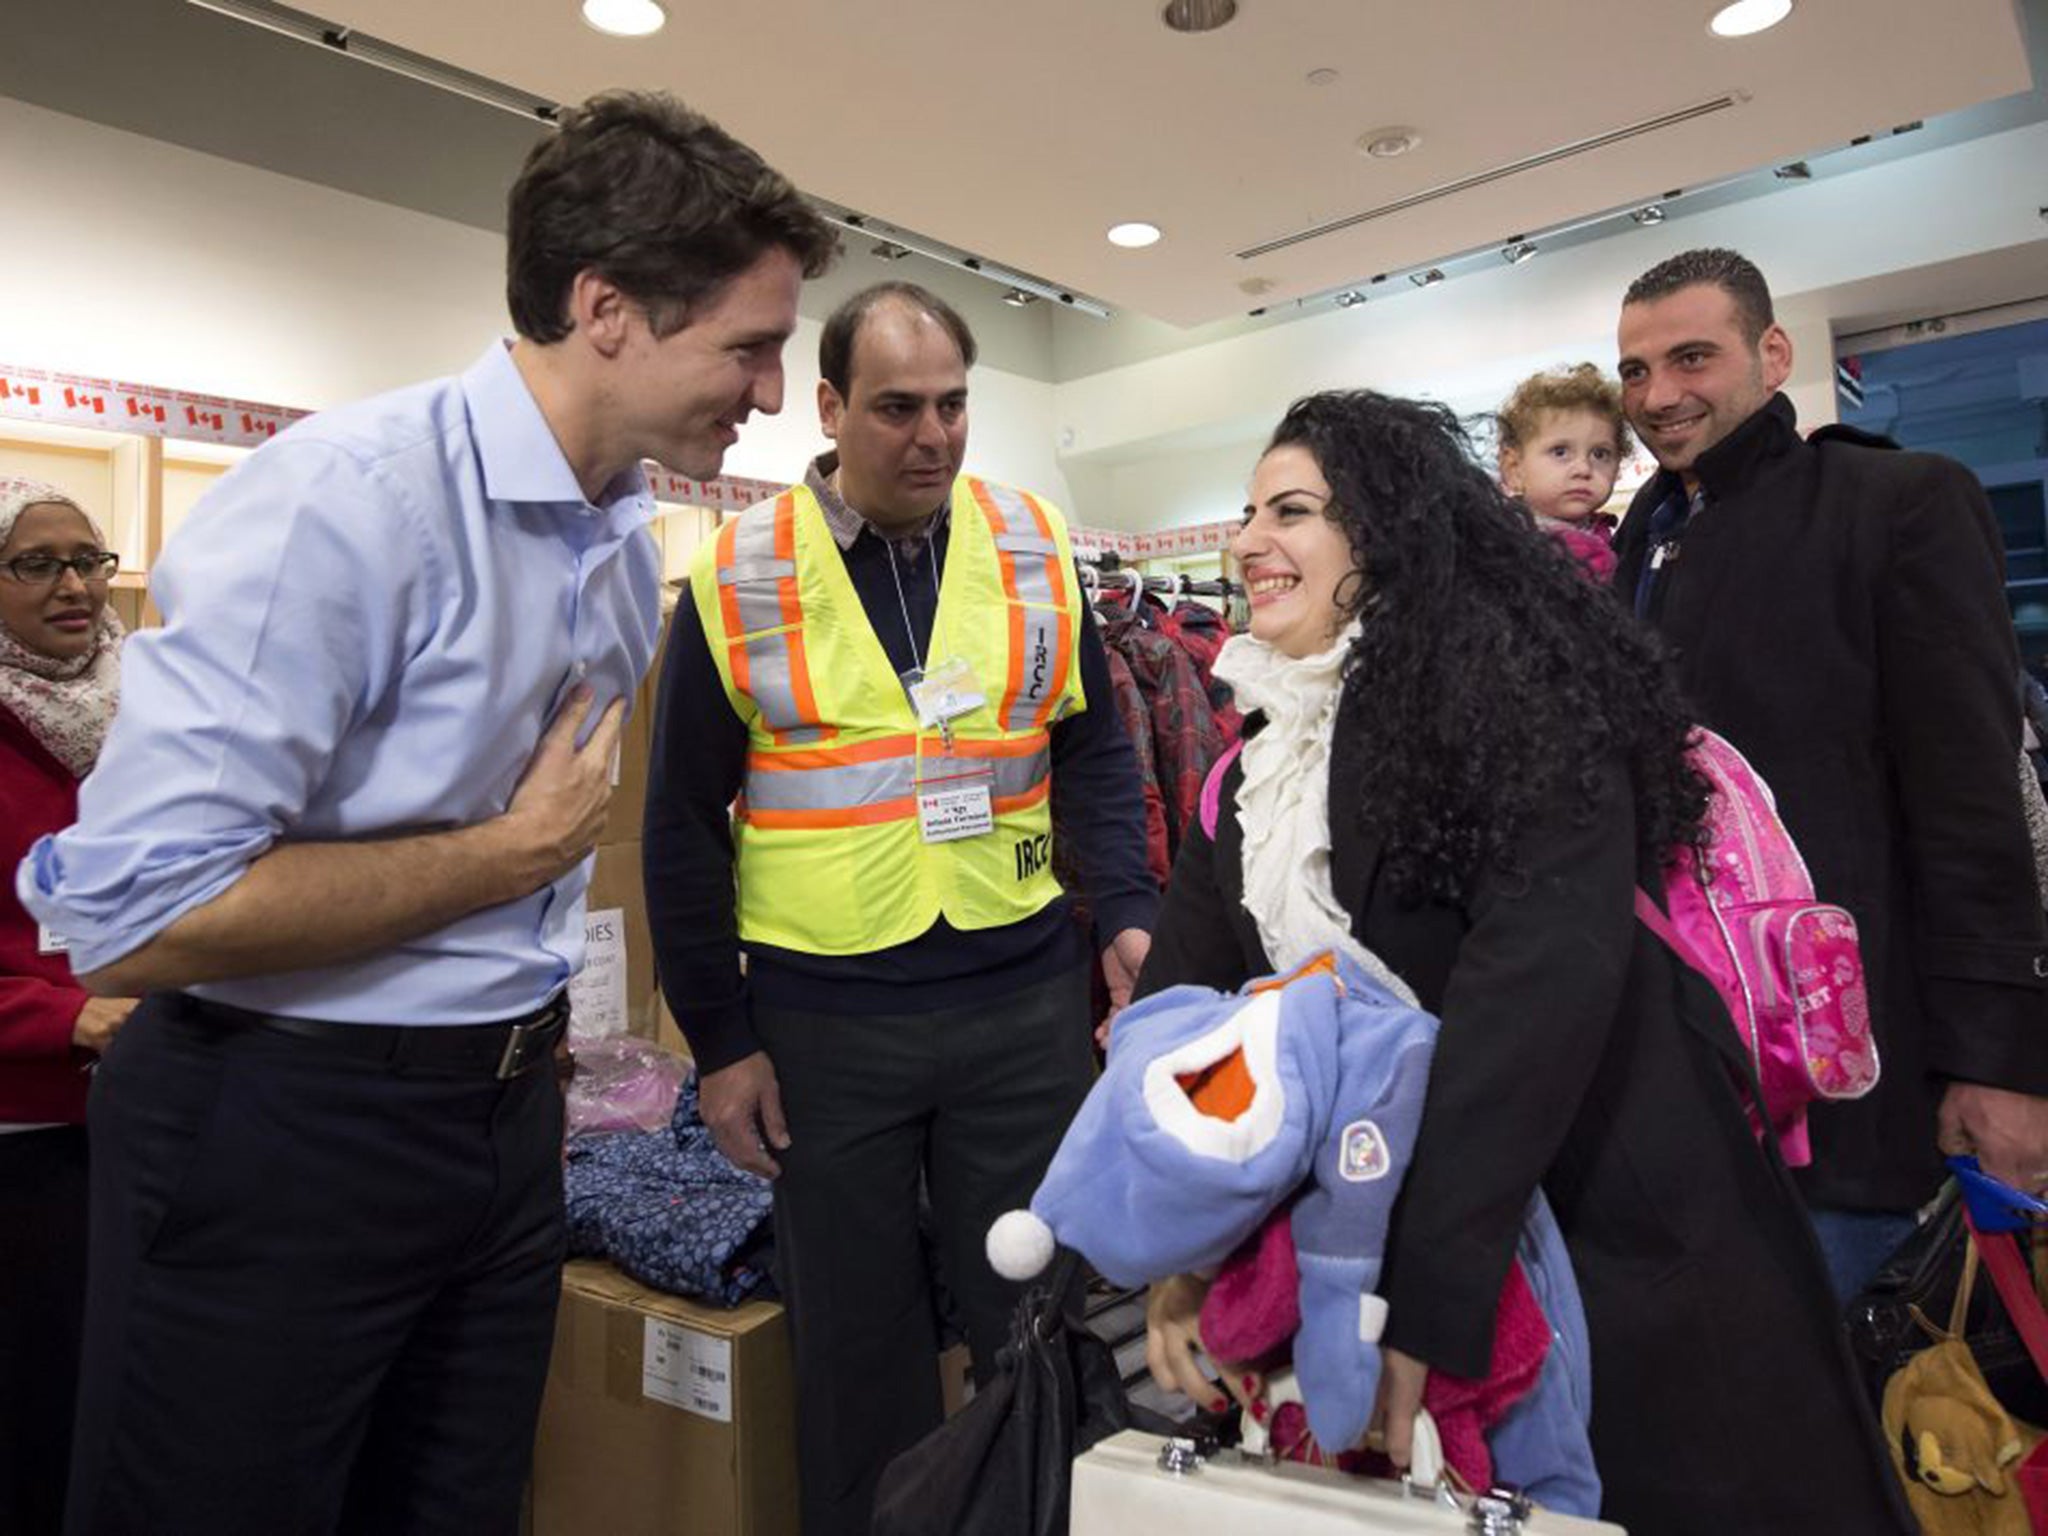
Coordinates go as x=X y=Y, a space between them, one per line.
x=1955 y=1445
x=1147 y=1183
x=1278 y=1120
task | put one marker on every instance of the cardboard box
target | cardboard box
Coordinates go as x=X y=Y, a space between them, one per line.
x=615 y=885
x=664 y=1418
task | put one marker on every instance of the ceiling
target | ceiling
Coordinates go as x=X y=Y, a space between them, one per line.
x=1022 y=134
x=1220 y=139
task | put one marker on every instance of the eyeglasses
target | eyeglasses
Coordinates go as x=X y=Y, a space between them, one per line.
x=48 y=570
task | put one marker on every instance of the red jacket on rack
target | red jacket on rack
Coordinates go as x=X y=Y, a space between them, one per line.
x=43 y=1077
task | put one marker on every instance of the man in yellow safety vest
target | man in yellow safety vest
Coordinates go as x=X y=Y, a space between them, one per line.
x=877 y=684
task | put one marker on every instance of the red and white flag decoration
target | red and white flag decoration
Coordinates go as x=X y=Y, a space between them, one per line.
x=74 y=400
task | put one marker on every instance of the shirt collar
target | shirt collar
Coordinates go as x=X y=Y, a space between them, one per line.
x=847 y=525
x=516 y=447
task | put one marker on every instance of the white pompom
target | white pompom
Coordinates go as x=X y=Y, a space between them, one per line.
x=1019 y=1245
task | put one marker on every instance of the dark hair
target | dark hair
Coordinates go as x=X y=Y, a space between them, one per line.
x=1730 y=271
x=1582 y=387
x=842 y=329
x=659 y=199
x=1492 y=669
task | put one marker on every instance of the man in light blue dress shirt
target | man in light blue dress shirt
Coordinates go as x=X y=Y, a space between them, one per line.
x=339 y=842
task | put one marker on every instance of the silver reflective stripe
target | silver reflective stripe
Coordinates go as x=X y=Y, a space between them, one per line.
x=830 y=789
x=754 y=575
x=769 y=685
x=1012 y=775
x=851 y=785
x=757 y=570
x=1026 y=544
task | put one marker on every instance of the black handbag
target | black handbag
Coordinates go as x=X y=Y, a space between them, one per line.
x=1003 y=1465
x=1922 y=1274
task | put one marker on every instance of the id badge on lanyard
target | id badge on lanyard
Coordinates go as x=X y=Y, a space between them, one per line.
x=955 y=805
x=942 y=693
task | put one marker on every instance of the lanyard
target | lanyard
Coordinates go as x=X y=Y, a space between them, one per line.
x=909 y=629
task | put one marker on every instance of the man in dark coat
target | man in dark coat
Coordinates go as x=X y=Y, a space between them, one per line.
x=1835 y=608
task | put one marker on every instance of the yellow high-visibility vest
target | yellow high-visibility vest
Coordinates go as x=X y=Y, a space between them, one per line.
x=832 y=858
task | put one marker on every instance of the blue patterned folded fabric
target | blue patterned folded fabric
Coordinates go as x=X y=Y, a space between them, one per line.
x=669 y=1210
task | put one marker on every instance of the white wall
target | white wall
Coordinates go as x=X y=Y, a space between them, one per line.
x=132 y=259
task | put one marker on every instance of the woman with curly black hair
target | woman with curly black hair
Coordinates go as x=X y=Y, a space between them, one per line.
x=1463 y=759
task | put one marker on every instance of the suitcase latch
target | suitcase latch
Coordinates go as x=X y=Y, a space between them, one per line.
x=1499 y=1512
x=1180 y=1456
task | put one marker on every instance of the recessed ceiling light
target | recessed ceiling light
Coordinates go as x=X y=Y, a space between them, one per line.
x=1746 y=17
x=1350 y=298
x=1427 y=279
x=889 y=250
x=1322 y=77
x=625 y=18
x=1388 y=143
x=1197 y=15
x=1649 y=213
x=1017 y=298
x=1794 y=170
x=1133 y=235
x=1516 y=252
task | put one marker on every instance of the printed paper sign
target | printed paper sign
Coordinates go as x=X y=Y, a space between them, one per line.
x=687 y=1370
x=597 y=993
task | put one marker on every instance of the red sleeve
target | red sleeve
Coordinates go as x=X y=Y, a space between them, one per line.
x=36 y=1017
x=39 y=1002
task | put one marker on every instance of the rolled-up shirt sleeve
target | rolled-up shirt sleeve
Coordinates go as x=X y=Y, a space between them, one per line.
x=286 y=604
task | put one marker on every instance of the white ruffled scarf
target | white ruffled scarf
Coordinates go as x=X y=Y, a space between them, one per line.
x=1283 y=802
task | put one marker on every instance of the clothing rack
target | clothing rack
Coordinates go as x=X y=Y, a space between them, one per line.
x=1106 y=572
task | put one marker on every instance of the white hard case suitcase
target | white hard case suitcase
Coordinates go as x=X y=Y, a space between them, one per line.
x=1121 y=1489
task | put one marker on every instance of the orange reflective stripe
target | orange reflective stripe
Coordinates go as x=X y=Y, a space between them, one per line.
x=1013 y=746
x=1013 y=682
x=832 y=757
x=825 y=820
x=785 y=549
x=1055 y=691
x=729 y=608
x=1004 y=805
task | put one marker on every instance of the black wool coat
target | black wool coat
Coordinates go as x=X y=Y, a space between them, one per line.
x=1577 y=1055
x=1837 y=611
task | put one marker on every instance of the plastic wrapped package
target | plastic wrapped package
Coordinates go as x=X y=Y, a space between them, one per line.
x=623 y=1084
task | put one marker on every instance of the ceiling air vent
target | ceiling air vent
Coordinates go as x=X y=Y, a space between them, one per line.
x=1622 y=135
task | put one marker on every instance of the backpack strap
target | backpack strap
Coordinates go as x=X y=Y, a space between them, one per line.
x=1211 y=804
x=1652 y=917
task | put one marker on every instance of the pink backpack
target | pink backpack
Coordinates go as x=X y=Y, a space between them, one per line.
x=1787 y=966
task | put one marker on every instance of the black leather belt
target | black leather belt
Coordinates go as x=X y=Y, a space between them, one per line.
x=502 y=1051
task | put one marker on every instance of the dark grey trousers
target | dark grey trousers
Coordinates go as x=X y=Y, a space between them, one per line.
x=966 y=1105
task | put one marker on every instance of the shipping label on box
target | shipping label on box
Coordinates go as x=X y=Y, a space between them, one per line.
x=597 y=993
x=687 y=1369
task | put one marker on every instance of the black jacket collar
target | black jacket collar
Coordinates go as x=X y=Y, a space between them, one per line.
x=1728 y=468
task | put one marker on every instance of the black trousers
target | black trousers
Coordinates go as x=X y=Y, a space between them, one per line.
x=323 y=1288
x=968 y=1105
x=42 y=1308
